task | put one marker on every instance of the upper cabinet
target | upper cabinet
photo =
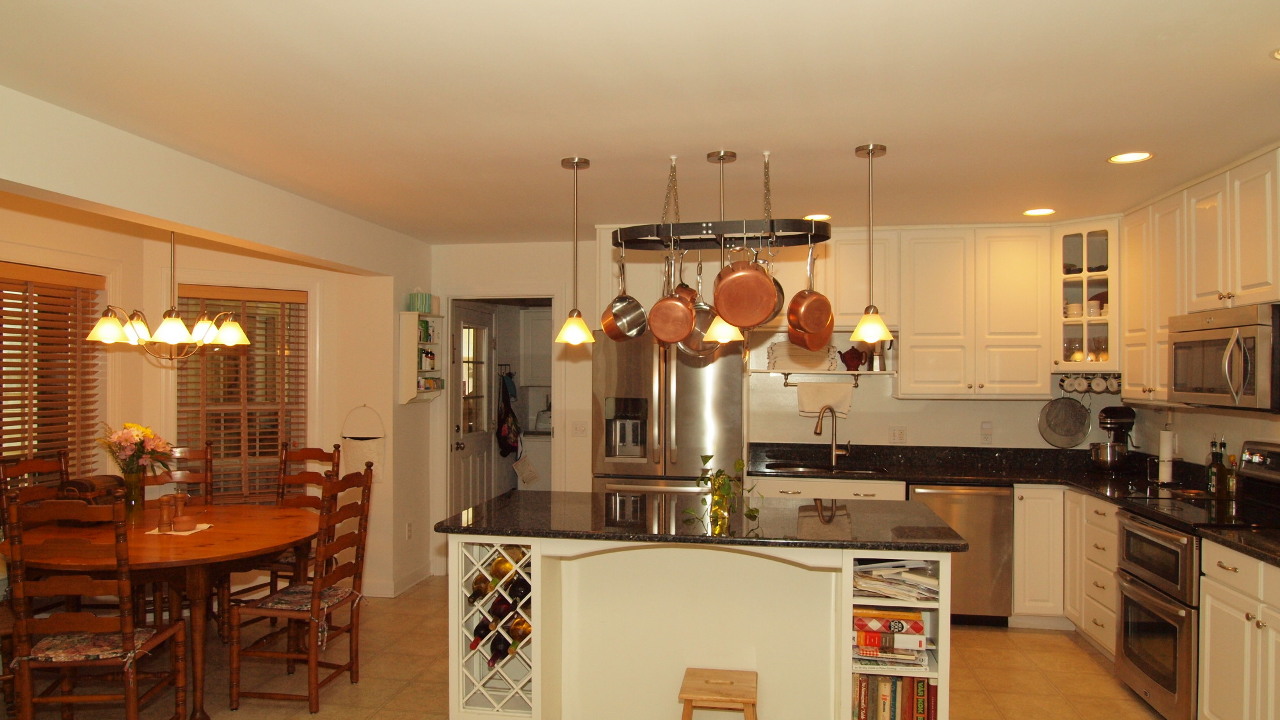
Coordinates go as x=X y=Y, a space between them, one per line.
x=1084 y=271
x=974 y=320
x=1229 y=255
x=1149 y=239
x=846 y=286
x=536 y=332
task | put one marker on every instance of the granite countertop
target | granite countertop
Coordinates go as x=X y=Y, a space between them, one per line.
x=1004 y=466
x=784 y=522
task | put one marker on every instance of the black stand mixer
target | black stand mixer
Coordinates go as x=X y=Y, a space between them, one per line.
x=1118 y=421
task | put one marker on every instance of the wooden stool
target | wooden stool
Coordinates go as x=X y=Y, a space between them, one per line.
x=719 y=689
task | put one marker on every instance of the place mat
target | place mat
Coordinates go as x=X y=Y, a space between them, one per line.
x=199 y=527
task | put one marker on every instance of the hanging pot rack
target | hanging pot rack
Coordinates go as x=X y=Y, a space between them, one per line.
x=779 y=232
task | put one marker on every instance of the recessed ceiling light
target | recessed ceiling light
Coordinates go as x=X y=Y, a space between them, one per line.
x=1039 y=211
x=1129 y=157
x=818 y=217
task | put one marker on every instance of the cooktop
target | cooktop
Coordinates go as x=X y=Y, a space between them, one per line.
x=1256 y=504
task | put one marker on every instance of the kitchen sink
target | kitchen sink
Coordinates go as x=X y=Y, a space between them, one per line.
x=824 y=470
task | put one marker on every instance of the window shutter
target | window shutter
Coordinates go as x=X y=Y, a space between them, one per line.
x=249 y=399
x=51 y=377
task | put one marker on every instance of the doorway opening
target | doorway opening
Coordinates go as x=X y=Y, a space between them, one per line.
x=500 y=401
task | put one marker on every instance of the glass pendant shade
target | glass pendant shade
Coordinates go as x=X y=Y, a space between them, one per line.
x=229 y=334
x=137 y=329
x=108 y=330
x=204 y=331
x=722 y=332
x=871 y=328
x=575 y=330
x=172 y=330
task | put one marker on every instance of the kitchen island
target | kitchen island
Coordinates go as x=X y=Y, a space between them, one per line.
x=615 y=614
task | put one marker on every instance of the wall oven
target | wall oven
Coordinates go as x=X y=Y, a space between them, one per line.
x=1226 y=358
x=1158 y=624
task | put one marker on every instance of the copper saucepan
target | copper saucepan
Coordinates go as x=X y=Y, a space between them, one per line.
x=812 y=341
x=809 y=310
x=744 y=293
x=624 y=318
x=671 y=318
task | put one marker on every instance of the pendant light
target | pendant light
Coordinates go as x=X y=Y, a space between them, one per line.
x=720 y=330
x=575 y=330
x=871 y=328
x=171 y=340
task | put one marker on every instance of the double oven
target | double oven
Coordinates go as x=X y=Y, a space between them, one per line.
x=1157 y=634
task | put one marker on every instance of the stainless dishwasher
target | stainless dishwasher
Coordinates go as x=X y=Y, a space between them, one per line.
x=982 y=578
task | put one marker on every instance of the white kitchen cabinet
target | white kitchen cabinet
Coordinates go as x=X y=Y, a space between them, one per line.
x=1151 y=294
x=1072 y=554
x=1037 y=550
x=1239 y=636
x=827 y=489
x=1230 y=256
x=536 y=334
x=846 y=284
x=1084 y=271
x=974 y=313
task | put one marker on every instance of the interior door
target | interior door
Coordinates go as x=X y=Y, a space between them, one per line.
x=471 y=407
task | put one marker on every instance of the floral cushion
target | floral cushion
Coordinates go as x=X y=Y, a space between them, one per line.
x=74 y=647
x=298 y=597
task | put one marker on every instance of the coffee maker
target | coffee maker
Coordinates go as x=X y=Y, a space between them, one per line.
x=1118 y=421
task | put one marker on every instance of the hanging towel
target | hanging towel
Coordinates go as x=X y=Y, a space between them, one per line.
x=810 y=397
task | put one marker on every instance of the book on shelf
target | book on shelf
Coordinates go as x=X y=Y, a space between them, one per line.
x=932 y=699
x=888 y=625
x=891 y=657
x=868 y=611
x=901 y=641
x=884 y=705
x=861 y=696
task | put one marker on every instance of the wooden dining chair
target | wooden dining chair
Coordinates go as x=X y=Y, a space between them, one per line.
x=189 y=467
x=33 y=471
x=24 y=494
x=308 y=609
x=73 y=639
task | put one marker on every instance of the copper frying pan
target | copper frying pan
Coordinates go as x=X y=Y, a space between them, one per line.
x=744 y=293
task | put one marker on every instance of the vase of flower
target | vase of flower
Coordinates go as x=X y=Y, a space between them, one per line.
x=133 y=498
x=136 y=450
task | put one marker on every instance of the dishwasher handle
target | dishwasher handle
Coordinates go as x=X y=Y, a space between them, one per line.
x=959 y=490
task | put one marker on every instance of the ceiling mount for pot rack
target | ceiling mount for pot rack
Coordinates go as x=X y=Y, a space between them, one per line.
x=707 y=235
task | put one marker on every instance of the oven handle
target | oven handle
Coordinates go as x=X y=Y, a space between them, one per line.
x=1149 y=598
x=1152 y=532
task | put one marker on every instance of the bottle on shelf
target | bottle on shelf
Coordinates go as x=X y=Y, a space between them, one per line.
x=498 y=648
x=480 y=633
x=1233 y=466
x=518 y=629
x=479 y=588
x=499 y=609
x=500 y=567
x=1217 y=472
x=518 y=589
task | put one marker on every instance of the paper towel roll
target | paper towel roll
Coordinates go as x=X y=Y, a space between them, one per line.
x=1166 y=455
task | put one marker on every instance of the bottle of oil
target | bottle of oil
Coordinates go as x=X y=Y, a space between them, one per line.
x=1217 y=472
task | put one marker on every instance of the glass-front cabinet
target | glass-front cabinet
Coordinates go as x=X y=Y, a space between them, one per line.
x=1085 y=276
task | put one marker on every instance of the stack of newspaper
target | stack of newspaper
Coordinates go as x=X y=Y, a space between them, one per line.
x=899 y=579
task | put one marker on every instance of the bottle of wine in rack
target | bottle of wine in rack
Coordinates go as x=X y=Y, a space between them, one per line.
x=499 y=609
x=479 y=588
x=480 y=633
x=498 y=648
x=518 y=589
x=518 y=629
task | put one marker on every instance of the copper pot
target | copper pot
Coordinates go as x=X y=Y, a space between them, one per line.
x=812 y=341
x=744 y=293
x=809 y=309
x=671 y=318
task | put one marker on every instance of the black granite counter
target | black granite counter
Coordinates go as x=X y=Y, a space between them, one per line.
x=856 y=524
x=1261 y=544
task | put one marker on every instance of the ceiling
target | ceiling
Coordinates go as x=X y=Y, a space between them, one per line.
x=447 y=121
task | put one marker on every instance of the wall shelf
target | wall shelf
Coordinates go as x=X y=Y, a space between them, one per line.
x=421 y=357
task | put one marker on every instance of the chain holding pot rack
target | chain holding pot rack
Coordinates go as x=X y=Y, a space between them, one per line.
x=718 y=234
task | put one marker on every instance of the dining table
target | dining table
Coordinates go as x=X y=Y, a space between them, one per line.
x=236 y=537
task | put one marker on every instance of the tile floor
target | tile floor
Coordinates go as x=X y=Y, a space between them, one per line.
x=998 y=674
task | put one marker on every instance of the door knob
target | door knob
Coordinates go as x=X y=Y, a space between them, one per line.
x=459 y=445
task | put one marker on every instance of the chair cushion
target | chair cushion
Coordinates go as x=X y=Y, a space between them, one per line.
x=80 y=646
x=298 y=597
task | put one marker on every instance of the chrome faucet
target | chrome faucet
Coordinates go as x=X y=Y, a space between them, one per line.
x=817 y=430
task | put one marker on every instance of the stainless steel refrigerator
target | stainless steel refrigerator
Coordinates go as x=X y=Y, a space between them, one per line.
x=656 y=411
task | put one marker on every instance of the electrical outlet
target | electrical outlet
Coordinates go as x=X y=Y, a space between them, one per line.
x=579 y=428
x=898 y=434
x=985 y=432
x=408 y=531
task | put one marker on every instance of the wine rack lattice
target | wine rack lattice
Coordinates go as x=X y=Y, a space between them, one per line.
x=496 y=632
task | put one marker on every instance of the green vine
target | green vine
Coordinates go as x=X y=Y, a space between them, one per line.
x=726 y=492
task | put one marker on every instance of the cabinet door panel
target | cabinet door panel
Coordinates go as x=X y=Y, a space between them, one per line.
x=1228 y=646
x=847 y=286
x=1205 y=243
x=1012 y=311
x=1253 y=231
x=936 y=353
x=1165 y=287
x=1269 y=677
x=1037 y=551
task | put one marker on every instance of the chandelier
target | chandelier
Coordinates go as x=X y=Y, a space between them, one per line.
x=171 y=339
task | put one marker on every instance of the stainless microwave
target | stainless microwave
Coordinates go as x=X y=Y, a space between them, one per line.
x=1226 y=358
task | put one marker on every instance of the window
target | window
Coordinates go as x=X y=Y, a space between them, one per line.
x=246 y=400
x=50 y=376
x=475 y=405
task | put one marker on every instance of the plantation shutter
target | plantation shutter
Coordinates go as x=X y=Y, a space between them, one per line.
x=50 y=396
x=249 y=399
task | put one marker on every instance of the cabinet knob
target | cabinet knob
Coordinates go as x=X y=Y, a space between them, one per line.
x=980 y=386
x=969 y=386
x=1259 y=624
x=788 y=492
x=1019 y=498
x=1228 y=568
x=1250 y=617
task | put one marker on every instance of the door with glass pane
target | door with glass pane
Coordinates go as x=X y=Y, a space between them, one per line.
x=471 y=407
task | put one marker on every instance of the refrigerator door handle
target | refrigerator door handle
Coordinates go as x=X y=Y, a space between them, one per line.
x=673 y=450
x=655 y=419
